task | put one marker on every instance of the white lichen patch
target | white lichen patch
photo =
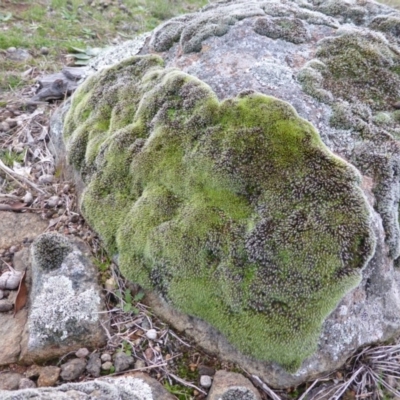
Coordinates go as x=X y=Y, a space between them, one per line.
x=58 y=311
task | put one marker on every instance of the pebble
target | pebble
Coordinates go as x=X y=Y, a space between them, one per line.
x=205 y=381
x=110 y=284
x=94 y=365
x=105 y=357
x=122 y=361
x=13 y=249
x=44 y=51
x=28 y=198
x=48 y=376
x=82 y=353
x=46 y=179
x=52 y=201
x=205 y=370
x=73 y=369
x=151 y=334
x=26 y=383
x=139 y=364
x=106 y=366
x=12 y=49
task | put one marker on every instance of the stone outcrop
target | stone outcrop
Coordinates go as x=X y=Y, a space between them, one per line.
x=273 y=245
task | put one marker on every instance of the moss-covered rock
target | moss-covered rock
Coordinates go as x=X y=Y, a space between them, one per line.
x=363 y=61
x=289 y=29
x=234 y=212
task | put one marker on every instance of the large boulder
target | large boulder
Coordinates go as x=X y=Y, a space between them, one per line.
x=272 y=244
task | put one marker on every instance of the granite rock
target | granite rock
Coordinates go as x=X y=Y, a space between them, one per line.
x=241 y=49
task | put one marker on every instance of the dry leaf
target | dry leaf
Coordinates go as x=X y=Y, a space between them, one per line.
x=22 y=295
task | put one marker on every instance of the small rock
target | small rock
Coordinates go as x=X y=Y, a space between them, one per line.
x=13 y=249
x=82 y=353
x=122 y=361
x=4 y=127
x=46 y=179
x=10 y=381
x=110 y=284
x=26 y=383
x=48 y=376
x=74 y=218
x=139 y=364
x=73 y=369
x=94 y=365
x=28 y=198
x=44 y=51
x=205 y=370
x=11 y=49
x=52 y=201
x=205 y=381
x=5 y=306
x=105 y=357
x=106 y=366
x=231 y=386
x=151 y=334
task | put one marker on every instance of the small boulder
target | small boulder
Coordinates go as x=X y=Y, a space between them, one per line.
x=9 y=381
x=122 y=361
x=48 y=376
x=94 y=365
x=73 y=369
x=65 y=300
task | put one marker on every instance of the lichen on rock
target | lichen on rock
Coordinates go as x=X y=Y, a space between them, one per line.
x=234 y=212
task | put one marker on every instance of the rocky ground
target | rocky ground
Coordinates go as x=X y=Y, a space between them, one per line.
x=36 y=197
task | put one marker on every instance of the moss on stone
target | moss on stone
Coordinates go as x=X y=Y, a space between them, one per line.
x=289 y=29
x=360 y=67
x=50 y=249
x=234 y=211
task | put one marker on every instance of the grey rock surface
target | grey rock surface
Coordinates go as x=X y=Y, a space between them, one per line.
x=17 y=227
x=26 y=383
x=122 y=361
x=10 y=380
x=94 y=365
x=232 y=386
x=243 y=46
x=73 y=369
x=134 y=387
x=64 y=300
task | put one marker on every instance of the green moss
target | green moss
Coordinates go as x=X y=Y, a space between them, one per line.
x=234 y=211
x=360 y=66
